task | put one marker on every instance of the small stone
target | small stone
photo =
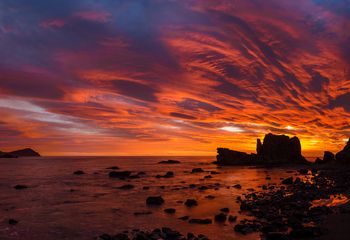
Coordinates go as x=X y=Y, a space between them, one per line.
x=170 y=210
x=154 y=200
x=12 y=221
x=197 y=170
x=221 y=217
x=191 y=203
x=200 y=221
x=226 y=210
x=238 y=186
x=19 y=187
x=79 y=172
x=287 y=181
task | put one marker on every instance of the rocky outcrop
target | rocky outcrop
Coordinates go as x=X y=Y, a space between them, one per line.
x=344 y=155
x=231 y=157
x=26 y=152
x=280 y=149
x=275 y=149
x=328 y=157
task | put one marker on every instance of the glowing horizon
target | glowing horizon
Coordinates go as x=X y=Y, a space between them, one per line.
x=173 y=78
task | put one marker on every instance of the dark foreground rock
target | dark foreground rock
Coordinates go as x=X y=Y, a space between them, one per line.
x=119 y=174
x=288 y=211
x=20 y=187
x=79 y=172
x=344 y=155
x=164 y=233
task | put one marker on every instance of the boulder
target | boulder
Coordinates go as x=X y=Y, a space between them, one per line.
x=344 y=155
x=154 y=200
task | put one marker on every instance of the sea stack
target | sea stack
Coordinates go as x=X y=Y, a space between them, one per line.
x=275 y=149
x=280 y=149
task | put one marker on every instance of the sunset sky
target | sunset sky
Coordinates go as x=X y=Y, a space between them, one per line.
x=173 y=77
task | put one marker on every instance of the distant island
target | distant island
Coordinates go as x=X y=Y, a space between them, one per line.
x=26 y=152
x=278 y=149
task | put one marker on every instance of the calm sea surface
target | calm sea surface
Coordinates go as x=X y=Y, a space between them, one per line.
x=61 y=205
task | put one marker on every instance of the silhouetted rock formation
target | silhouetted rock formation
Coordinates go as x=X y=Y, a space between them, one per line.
x=231 y=157
x=275 y=149
x=281 y=149
x=27 y=152
x=344 y=155
x=327 y=158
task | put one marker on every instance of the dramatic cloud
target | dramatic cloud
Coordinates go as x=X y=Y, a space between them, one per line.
x=173 y=77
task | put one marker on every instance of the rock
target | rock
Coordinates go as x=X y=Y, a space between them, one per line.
x=145 y=188
x=79 y=172
x=276 y=236
x=26 y=152
x=142 y=213
x=197 y=170
x=168 y=174
x=169 y=162
x=281 y=149
x=328 y=157
x=210 y=197
x=305 y=232
x=170 y=210
x=238 y=186
x=191 y=203
x=303 y=171
x=126 y=187
x=226 y=210
x=231 y=157
x=221 y=217
x=184 y=218
x=120 y=174
x=12 y=221
x=208 y=176
x=288 y=180
x=19 y=187
x=154 y=200
x=232 y=218
x=200 y=221
x=344 y=155
x=113 y=168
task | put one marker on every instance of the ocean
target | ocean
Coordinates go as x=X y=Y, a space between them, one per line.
x=61 y=205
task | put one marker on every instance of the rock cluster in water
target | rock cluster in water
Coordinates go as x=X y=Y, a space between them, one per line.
x=164 y=233
x=27 y=152
x=275 y=149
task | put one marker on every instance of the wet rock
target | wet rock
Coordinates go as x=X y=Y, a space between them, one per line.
x=184 y=218
x=210 y=197
x=169 y=162
x=154 y=200
x=221 y=217
x=120 y=174
x=191 y=203
x=142 y=213
x=79 y=172
x=288 y=180
x=20 y=187
x=12 y=221
x=113 y=168
x=200 y=221
x=276 y=236
x=238 y=186
x=168 y=174
x=126 y=187
x=232 y=218
x=226 y=210
x=303 y=171
x=208 y=176
x=145 y=188
x=197 y=170
x=170 y=210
